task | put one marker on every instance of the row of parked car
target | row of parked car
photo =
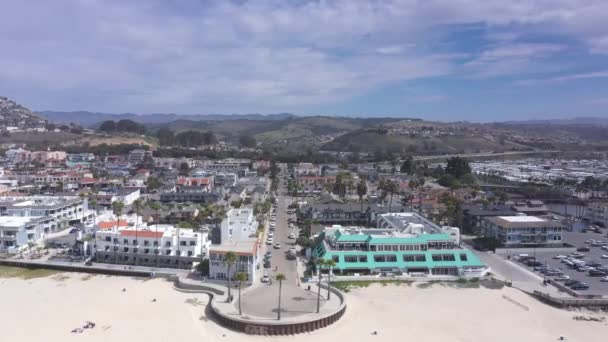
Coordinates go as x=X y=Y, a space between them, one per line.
x=573 y=261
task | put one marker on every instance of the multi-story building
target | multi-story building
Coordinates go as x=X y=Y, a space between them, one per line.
x=189 y=194
x=204 y=183
x=523 y=231
x=413 y=251
x=159 y=245
x=239 y=224
x=79 y=159
x=247 y=259
x=64 y=209
x=17 y=231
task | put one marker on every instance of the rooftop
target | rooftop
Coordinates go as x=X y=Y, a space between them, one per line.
x=240 y=247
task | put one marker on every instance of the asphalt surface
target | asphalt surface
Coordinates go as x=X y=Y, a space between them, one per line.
x=596 y=287
x=295 y=299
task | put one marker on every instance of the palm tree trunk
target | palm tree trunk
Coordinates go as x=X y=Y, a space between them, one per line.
x=241 y=311
x=279 y=309
x=319 y=292
x=228 y=278
x=328 y=282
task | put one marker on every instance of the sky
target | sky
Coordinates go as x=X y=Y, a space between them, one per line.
x=485 y=60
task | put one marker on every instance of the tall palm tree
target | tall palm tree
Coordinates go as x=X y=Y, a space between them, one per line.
x=138 y=205
x=330 y=263
x=117 y=207
x=156 y=207
x=280 y=277
x=241 y=277
x=361 y=191
x=180 y=208
x=229 y=259
x=320 y=264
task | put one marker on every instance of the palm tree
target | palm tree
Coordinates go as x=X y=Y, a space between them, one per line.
x=229 y=259
x=241 y=277
x=180 y=208
x=117 y=207
x=280 y=277
x=156 y=207
x=320 y=264
x=330 y=263
x=361 y=191
x=137 y=204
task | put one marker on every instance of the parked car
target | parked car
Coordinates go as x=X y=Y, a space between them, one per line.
x=292 y=236
x=597 y=273
x=583 y=249
x=604 y=279
x=269 y=241
x=560 y=256
x=267 y=264
x=594 y=264
x=265 y=278
x=277 y=246
x=571 y=282
x=562 y=278
x=604 y=256
x=580 y=286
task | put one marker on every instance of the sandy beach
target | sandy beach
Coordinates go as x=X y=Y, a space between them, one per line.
x=48 y=308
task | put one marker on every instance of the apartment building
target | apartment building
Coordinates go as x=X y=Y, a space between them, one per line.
x=523 y=231
x=597 y=213
x=159 y=245
x=17 y=231
x=64 y=209
x=239 y=224
x=247 y=259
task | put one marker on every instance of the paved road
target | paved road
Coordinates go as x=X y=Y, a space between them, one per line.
x=472 y=155
x=295 y=299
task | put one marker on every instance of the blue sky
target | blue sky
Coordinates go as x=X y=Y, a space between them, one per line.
x=486 y=60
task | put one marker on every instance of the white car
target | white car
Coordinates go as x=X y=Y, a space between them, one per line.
x=604 y=256
x=269 y=241
x=604 y=279
x=562 y=278
x=265 y=278
x=277 y=246
x=560 y=256
x=271 y=234
x=292 y=236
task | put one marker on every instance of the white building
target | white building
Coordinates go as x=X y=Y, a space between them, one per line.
x=160 y=245
x=239 y=224
x=597 y=213
x=64 y=209
x=17 y=231
x=523 y=231
x=247 y=259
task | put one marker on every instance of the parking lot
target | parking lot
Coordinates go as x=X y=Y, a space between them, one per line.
x=595 y=253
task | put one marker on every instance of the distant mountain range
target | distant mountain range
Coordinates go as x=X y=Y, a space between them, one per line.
x=562 y=122
x=89 y=119
x=13 y=114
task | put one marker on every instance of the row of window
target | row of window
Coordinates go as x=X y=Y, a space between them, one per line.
x=406 y=258
x=147 y=251
x=154 y=243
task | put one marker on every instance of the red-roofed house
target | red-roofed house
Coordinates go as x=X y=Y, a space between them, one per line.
x=204 y=182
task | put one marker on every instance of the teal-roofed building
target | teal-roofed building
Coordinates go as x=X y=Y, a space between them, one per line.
x=378 y=250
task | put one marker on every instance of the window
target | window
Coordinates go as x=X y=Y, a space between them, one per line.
x=182 y=243
x=350 y=258
x=147 y=250
x=362 y=258
x=335 y=258
x=385 y=258
x=192 y=243
x=420 y=257
x=189 y=253
x=168 y=244
x=134 y=242
x=463 y=257
x=168 y=252
x=444 y=257
x=146 y=243
x=155 y=243
x=108 y=239
x=125 y=241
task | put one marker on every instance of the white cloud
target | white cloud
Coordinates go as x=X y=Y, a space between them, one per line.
x=204 y=56
x=565 y=78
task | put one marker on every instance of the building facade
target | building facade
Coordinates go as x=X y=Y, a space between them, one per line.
x=524 y=231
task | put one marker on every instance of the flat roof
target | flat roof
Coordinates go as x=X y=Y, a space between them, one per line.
x=18 y=221
x=240 y=247
x=522 y=218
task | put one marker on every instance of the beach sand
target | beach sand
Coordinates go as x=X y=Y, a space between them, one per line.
x=48 y=308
